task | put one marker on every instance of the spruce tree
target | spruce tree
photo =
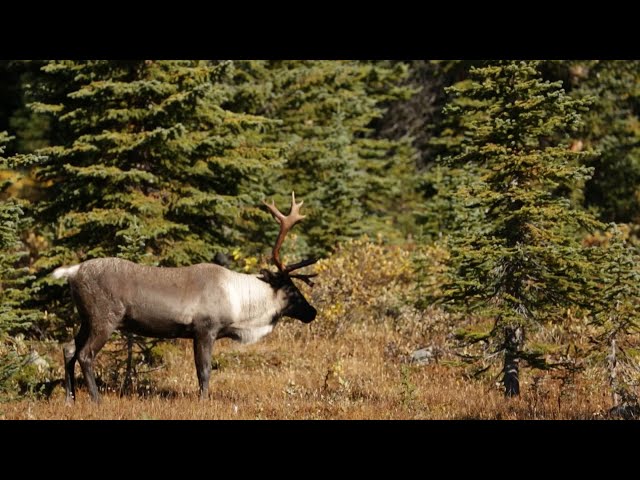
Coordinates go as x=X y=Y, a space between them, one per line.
x=518 y=257
x=352 y=181
x=146 y=165
x=14 y=261
x=15 y=276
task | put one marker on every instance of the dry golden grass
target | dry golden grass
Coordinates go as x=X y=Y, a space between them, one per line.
x=298 y=374
x=350 y=363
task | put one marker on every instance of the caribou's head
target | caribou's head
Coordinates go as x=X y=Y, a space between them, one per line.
x=297 y=306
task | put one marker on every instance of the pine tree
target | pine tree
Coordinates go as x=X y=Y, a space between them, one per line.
x=146 y=164
x=518 y=257
x=352 y=181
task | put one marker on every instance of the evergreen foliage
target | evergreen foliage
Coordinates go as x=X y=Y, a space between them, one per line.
x=519 y=256
x=420 y=116
x=351 y=181
x=612 y=130
x=14 y=262
x=616 y=315
x=15 y=276
x=167 y=162
x=146 y=164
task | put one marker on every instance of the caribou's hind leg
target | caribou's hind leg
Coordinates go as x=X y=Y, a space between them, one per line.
x=86 y=355
x=69 y=352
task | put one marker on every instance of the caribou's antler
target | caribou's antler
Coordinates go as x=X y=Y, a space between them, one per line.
x=286 y=224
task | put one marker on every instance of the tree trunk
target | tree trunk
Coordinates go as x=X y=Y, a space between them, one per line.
x=512 y=346
x=613 y=374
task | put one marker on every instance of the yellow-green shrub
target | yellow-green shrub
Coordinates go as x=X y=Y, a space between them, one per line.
x=362 y=280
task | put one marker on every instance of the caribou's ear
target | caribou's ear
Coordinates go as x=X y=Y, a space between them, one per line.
x=267 y=276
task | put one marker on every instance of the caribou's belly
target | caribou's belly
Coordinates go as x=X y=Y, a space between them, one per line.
x=157 y=329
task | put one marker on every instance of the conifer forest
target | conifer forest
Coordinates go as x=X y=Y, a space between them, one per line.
x=476 y=226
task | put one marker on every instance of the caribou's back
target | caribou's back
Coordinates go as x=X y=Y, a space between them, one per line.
x=152 y=301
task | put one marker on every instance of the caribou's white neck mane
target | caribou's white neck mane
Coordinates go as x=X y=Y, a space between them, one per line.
x=254 y=305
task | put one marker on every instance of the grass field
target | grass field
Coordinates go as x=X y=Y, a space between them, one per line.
x=295 y=374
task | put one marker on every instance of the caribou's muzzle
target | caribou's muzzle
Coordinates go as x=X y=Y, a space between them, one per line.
x=309 y=315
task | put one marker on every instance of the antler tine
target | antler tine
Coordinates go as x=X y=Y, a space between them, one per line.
x=295 y=208
x=277 y=214
x=303 y=263
x=305 y=278
x=286 y=223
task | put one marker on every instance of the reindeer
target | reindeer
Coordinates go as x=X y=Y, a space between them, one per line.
x=203 y=302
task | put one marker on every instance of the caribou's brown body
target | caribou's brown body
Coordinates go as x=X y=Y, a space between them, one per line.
x=203 y=302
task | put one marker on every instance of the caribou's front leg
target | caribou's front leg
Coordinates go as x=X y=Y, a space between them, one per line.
x=202 y=347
